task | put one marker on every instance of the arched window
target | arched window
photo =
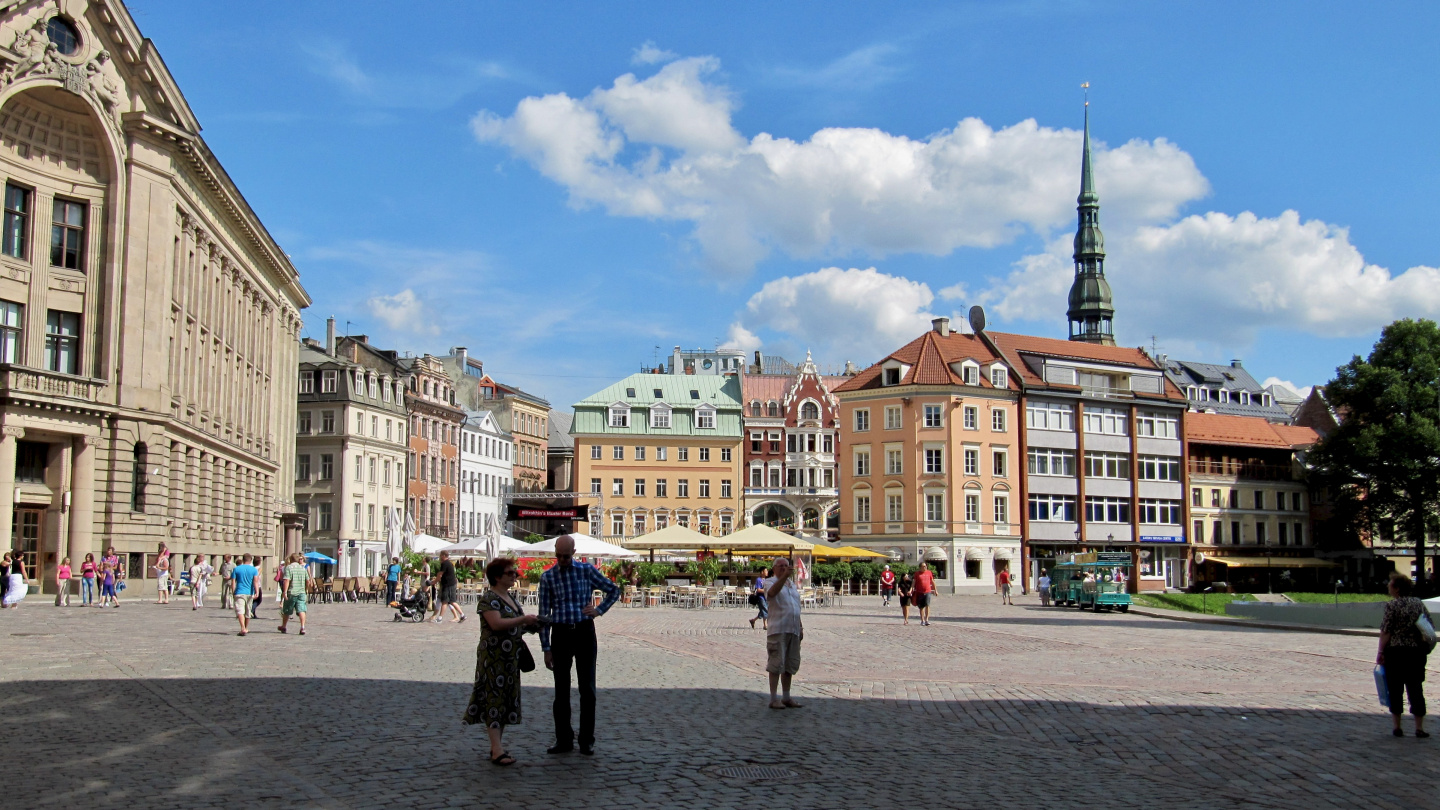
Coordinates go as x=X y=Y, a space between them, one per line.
x=810 y=411
x=137 y=478
x=755 y=408
x=773 y=408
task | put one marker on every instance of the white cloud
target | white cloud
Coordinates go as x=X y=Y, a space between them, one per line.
x=861 y=69
x=651 y=54
x=1219 y=279
x=402 y=312
x=850 y=314
x=664 y=148
x=1302 y=392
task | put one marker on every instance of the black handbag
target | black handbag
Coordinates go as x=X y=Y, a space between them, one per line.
x=754 y=599
x=527 y=661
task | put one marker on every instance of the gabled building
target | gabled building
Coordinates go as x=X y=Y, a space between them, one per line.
x=435 y=424
x=1224 y=389
x=930 y=442
x=525 y=416
x=486 y=461
x=791 y=447
x=656 y=449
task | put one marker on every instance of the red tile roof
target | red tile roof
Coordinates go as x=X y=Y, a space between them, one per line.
x=1015 y=345
x=1245 y=431
x=929 y=357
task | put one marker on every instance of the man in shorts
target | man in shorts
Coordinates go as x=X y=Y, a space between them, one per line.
x=924 y=592
x=449 y=590
x=782 y=642
x=244 y=578
x=292 y=586
x=1004 y=578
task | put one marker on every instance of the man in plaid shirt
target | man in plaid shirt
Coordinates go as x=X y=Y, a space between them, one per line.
x=567 y=634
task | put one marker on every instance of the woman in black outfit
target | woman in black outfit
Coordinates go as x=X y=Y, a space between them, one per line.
x=1403 y=652
x=906 y=586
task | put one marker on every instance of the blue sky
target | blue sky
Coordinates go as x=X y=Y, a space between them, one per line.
x=565 y=187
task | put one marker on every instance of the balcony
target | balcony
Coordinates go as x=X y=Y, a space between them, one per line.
x=789 y=492
x=1236 y=469
x=38 y=382
x=1106 y=392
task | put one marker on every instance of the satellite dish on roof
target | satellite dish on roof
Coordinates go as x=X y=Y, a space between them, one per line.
x=977 y=319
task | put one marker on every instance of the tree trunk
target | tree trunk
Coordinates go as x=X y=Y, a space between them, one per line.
x=1417 y=531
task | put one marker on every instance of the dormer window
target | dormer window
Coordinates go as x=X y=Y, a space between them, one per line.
x=892 y=376
x=970 y=373
x=694 y=394
x=1224 y=395
x=657 y=393
x=1190 y=392
x=705 y=417
x=999 y=376
x=620 y=415
x=1267 y=400
x=630 y=392
x=660 y=415
x=1244 y=397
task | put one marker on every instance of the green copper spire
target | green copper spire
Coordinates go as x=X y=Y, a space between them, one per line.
x=1091 y=313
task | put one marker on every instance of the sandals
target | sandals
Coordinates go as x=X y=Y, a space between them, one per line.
x=282 y=629
x=504 y=760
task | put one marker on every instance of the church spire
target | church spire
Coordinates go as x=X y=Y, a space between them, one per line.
x=1091 y=313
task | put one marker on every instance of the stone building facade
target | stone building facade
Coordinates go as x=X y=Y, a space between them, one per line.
x=435 y=425
x=148 y=322
x=791 y=445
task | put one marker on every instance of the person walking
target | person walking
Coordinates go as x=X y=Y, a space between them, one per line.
x=567 y=635
x=392 y=579
x=1004 y=579
x=199 y=581
x=16 y=586
x=887 y=586
x=162 y=576
x=227 y=585
x=62 y=583
x=449 y=586
x=1403 y=651
x=495 y=697
x=4 y=577
x=907 y=595
x=782 y=642
x=761 y=603
x=87 y=581
x=1043 y=584
x=259 y=594
x=293 y=587
x=924 y=592
x=244 y=577
x=109 y=570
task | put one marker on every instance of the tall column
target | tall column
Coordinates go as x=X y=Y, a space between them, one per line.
x=82 y=497
x=9 y=436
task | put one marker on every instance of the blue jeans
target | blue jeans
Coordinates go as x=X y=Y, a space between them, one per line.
x=87 y=590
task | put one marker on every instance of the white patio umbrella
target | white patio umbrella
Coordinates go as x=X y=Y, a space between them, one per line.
x=428 y=544
x=394 y=535
x=492 y=538
x=408 y=535
x=585 y=546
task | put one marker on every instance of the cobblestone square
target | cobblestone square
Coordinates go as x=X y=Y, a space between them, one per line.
x=992 y=706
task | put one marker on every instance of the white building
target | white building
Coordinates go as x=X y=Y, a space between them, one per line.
x=486 y=472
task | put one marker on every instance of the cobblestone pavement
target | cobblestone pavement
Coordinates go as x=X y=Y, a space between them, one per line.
x=162 y=707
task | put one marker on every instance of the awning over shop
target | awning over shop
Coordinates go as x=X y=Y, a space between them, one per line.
x=754 y=540
x=1002 y=554
x=845 y=551
x=973 y=553
x=935 y=554
x=1271 y=562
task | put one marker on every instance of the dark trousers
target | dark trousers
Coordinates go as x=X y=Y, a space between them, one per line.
x=389 y=591
x=574 y=645
x=1405 y=672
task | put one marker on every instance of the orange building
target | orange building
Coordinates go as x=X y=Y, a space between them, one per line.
x=435 y=424
x=930 y=464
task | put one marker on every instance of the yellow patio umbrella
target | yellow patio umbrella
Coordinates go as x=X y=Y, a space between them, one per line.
x=846 y=551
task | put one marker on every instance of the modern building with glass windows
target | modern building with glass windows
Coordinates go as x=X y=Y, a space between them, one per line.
x=149 y=323
x=655 y=449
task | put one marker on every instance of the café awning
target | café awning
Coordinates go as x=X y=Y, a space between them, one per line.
x=1271 y=562
x=845 y=551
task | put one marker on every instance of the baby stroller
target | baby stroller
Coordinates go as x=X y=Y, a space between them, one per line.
x=413 y=607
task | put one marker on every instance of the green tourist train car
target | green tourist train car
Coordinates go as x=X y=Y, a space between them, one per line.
x=1092 y=580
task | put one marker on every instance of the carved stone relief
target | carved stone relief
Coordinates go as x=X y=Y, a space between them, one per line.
x=36 y=57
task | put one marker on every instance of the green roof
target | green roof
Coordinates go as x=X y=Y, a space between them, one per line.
x=682 y=392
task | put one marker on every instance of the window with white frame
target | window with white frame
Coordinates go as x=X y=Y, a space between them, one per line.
x=862 y=461
x=682 y=454
x=617 y=524
x=725 y=454
x=1107 y=510
x=757 y=476
x=1050 y=416
x=894 y=460
x=1052 y=508
x=307 y=377
x=970 y=373
x=1107 y=465
x=999 y=378
x=971 y=416
x=594 y=486
x=619 y=416
x=934 y=460
x=660 y=416
x=617 y=453
x=1160 y=512
x=704 y=489
x=595 y=451
x=1050 y=461
x=862 y=420
x=1159 y=468
x=617 y=486
x=704 y=454
x=661 y=454
x=1108 y=421
x=327 y=381
x=1000 y=463
x=894 y=507
x=862 y=508
x=1158 y=425
x=972 y=461
x=661 y=488
x=972 y=507
x=726 y=488
x=934 y=416
x=892 y=417
x=1002 y=509
x=705 y=418
x=639 y=452
x=997 y=420
x=935 y=507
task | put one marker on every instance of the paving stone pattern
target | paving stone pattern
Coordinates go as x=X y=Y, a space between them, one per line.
x=991 y=706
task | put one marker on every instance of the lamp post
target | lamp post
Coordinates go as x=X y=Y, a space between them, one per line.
x=1269 y=568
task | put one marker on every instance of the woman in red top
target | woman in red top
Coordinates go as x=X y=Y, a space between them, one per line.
x=87 y=581
x=924 y=592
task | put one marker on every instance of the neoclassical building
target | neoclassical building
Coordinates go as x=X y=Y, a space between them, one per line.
x=148 y=322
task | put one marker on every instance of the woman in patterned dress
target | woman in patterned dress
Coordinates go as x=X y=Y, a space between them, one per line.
x=1403 y=652
x=495 y=700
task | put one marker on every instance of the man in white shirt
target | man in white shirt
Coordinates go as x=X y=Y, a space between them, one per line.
x=1043 y=584
x=782 y=643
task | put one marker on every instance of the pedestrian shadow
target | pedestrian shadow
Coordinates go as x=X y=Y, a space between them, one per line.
x=372 y=742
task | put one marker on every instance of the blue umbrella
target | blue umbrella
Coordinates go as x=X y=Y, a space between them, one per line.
x=315 y=556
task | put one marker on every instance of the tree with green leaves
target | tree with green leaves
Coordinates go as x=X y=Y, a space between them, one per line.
x=1383 y=462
